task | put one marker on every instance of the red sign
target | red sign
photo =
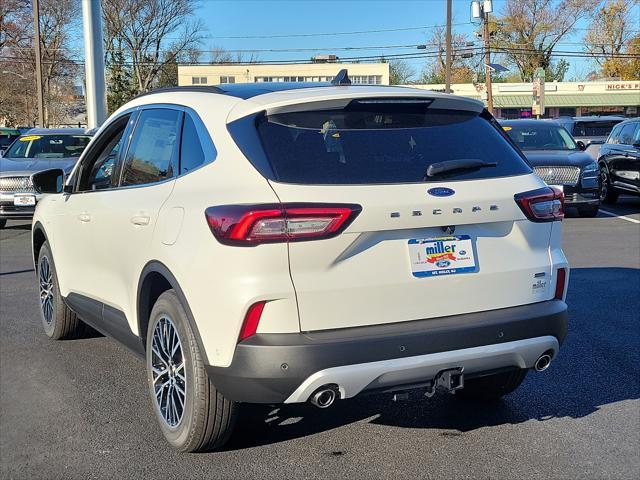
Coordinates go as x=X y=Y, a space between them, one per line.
x=623 y=86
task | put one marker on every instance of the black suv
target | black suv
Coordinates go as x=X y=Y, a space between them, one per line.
x=559 y=161
x=620 y=161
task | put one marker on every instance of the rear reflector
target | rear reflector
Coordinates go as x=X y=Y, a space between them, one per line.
x=287 y=222
x=542 y=205
x=251 y=320
x=561 y=278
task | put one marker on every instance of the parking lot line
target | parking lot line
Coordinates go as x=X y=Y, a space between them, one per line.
x=622 y=217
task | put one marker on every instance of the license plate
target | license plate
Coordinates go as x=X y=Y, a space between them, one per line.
x=441 y=256
x=24 y=200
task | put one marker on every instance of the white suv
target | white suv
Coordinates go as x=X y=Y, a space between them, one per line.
x=286 y=243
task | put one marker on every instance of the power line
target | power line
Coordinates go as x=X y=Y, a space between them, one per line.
x=368 y=58
x=326 y=34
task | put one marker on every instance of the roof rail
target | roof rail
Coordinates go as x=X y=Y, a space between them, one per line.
x=342 y=78
x=185 y=88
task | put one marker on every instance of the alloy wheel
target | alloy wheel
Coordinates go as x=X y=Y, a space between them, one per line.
x=45 y=276
x=604 y=185
x=168 y=372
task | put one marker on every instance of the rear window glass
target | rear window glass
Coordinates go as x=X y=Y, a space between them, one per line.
x=390 y=143
x=594 y=129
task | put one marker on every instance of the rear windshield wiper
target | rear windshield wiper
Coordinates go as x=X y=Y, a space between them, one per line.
x=436 y=169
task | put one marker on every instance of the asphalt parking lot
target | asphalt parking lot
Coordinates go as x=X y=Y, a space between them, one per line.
x=80 y=409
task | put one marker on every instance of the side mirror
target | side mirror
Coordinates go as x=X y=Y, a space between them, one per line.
x=48 y=181
x=581 y=145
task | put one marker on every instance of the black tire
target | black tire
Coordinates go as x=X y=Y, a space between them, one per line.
x=206 y=419
x=588 y=212
x=58 y=320
x=492 y=387
x=3 y=222
x=608 y=194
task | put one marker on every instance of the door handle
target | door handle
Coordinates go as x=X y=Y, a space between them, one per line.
x=140 y=220
x=84 y=217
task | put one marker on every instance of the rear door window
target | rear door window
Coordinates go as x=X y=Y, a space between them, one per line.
x=153 y=153
x=383 y=144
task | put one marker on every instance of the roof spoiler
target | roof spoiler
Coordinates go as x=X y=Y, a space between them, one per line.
x=342 y=78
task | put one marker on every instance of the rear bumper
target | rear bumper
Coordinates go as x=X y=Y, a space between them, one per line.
x=287 y=368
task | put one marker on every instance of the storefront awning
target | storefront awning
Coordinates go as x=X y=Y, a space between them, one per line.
x=618 y=99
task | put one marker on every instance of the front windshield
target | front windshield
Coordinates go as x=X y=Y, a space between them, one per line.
x=48 y=146
x=543 y=136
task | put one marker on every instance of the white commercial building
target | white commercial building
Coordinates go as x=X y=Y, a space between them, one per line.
x=360 y=73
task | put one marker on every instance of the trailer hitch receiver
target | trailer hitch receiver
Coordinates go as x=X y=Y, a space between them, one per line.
x=449 y=380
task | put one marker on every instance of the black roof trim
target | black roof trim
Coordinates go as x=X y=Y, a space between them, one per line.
x=249 y=90
x=186 y=88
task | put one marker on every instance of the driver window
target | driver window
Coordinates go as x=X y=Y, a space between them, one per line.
x=100 y=172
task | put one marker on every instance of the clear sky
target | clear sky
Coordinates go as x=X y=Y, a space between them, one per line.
x=237 y=18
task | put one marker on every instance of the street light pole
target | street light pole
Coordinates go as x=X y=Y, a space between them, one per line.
x=38 y=54
x=94 y=63
x=447 y=70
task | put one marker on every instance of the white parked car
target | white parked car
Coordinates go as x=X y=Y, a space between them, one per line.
x=288 y=243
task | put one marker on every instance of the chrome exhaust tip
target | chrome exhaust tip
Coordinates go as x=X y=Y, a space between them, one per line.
x=543 y=362
x=323 y=397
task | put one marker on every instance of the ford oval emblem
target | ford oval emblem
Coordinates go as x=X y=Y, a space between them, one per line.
x=440 y=192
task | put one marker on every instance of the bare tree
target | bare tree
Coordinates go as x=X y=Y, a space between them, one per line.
x=610 y=34
x=58 y=21
x=218 y=55
x=400 y=72
x=14 y=16
x=151 y=34
x=530 y=30
x=462 y=67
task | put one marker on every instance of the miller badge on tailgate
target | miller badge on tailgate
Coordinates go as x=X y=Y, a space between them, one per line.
x=441 y=256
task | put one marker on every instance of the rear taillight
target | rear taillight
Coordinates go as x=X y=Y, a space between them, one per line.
x=542 y=205
x=251 y=320
x=561 y=280
x=280 y=222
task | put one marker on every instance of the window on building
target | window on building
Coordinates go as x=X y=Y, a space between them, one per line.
x=198 y=80
x=567 y=111
x=367 y=79
x=227 y=79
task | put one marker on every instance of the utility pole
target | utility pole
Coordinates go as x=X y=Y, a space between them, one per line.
x=94 y=63
x=447 y=68
x=487 y=61
x=480 y=9
x=36 y=43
